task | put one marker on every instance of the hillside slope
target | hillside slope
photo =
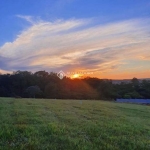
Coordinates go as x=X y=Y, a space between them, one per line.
x=73 y=125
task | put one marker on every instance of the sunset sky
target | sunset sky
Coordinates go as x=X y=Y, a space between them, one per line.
x=110 y=38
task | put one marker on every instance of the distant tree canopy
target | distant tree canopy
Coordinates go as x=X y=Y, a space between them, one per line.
x=42 y=84
x=33 y=92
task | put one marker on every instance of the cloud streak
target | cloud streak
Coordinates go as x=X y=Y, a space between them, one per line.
x=75 y=45
x=26 y=18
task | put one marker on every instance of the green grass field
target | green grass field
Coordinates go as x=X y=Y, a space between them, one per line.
x=40 y=124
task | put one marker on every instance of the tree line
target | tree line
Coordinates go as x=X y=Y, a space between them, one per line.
x=42 y=84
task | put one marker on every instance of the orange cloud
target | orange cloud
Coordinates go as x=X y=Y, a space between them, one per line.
x=71 y=45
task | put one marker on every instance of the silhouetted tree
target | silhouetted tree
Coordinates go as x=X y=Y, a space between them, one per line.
x=48 y=85
x=33 y=92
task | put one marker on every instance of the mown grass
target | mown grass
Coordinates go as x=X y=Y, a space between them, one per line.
x=38 y=124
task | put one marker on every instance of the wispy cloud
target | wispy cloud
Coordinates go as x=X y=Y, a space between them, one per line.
x=144 y=57
x=27 y=18
x=70 y=45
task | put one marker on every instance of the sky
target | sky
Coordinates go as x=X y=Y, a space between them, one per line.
x=111 y=39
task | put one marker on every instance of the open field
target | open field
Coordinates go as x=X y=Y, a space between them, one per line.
x=73 y=125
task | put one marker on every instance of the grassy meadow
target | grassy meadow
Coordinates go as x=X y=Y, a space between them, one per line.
x=40 y=124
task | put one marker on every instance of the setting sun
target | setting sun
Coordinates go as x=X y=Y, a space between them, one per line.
x=75 y=76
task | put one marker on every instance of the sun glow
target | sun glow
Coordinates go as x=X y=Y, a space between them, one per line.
x=75 y=76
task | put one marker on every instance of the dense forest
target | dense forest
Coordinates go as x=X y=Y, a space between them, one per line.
x=42 y=84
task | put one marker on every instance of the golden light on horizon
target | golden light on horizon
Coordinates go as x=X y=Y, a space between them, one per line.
x=74 y=76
